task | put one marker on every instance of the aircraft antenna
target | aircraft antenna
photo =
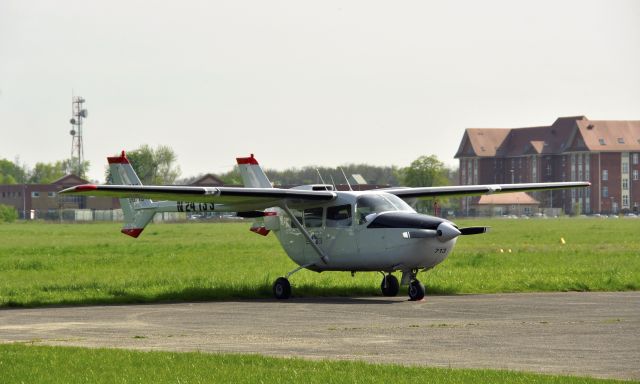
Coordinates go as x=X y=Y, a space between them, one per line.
x=320 y=176
x=333 y=182
x=345 y=178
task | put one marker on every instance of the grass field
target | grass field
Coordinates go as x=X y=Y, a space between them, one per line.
x=38 y=364
x=44 y=264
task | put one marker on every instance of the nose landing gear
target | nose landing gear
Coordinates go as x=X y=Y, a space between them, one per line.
x=416 y=290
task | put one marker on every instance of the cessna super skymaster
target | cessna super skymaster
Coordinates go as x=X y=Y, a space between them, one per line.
x=320 y=228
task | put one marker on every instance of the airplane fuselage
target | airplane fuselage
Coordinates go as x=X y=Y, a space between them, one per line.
x=360 y=231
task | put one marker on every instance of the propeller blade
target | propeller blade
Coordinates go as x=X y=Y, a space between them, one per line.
x=474 y=230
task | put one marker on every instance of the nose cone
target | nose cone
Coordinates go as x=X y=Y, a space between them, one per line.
x=446 y=231
x=405 y=220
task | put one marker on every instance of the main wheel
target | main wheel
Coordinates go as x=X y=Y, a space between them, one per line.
x=282 y=288
x=416 y=290
x=390 y=285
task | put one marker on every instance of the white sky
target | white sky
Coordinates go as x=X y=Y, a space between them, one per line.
x=301 y=82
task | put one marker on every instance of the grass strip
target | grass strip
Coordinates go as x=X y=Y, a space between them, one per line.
x=44 y=364
x=69 y=264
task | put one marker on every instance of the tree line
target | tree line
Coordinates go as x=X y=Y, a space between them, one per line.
x=158 y=166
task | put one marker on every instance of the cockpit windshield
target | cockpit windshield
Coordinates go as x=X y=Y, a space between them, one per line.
x=379 y=202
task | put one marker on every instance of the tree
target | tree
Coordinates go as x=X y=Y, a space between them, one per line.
x=12 y=173
x=71 y=166
x=8 y=214
x=45 y=173
x=154 y=166
x=425 y=171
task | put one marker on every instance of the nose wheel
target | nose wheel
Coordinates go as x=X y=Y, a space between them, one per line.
x=416 y=290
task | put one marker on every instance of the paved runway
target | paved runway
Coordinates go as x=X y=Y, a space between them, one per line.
x=595 y=334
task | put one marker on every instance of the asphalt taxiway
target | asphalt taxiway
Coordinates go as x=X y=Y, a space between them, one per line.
x=585 y=334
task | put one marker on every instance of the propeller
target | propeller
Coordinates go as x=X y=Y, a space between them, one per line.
x=474 y=230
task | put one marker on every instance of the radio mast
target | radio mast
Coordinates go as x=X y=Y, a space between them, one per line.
x=78 y=113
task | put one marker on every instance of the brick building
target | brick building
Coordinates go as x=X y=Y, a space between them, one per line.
x=606 y=153
x=39 y=201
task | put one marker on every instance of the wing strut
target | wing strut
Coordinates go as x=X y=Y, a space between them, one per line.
x=294 y=220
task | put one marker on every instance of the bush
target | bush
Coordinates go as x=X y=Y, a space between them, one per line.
x=8 y=213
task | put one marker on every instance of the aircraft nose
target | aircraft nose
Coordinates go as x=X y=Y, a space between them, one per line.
x=446 y=231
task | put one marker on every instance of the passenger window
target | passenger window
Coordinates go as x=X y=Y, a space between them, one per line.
x=313 y=217
x=339 y=216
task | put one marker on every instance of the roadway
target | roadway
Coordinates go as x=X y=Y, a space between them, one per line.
x=594 y=334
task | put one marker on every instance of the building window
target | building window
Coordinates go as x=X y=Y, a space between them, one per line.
x=625 y=201
x=587 y=169
x=605 y=175
x=475 y=171
x=35 y=194
x=635 y=174
x=463 y=171
x=51 y=194
x=605 y=191
x=580 y=167
x=620 y=140
x=625 y=167
x=625 y=184
x=635 y=158
x=602 y=142
x=534 y=169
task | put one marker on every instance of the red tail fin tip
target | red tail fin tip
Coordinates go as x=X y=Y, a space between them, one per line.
x=133 y=232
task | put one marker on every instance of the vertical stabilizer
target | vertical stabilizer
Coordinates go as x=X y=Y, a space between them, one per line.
x=254 y=177
x=252 y=174
x=137 y=212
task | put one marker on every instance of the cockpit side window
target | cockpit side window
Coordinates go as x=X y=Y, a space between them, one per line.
x=339 y=216
x=313 y=217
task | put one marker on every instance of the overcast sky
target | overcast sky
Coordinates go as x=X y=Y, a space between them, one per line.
x=305 y=82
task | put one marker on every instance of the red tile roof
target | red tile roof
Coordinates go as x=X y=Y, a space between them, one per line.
x=514 y=198
x=576 y=133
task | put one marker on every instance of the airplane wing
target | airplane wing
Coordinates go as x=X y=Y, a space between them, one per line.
x=255 y=198
x=475 y=190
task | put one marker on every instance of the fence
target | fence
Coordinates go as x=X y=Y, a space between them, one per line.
x=89 y=215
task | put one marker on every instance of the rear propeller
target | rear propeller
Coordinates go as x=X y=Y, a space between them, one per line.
x=474 y=230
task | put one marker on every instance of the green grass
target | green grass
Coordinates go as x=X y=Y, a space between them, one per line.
x=46 y=264
x=39 y=364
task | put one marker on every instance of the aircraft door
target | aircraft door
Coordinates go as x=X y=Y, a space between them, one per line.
x=339 y=237
x=312 y=221
x=372 y=243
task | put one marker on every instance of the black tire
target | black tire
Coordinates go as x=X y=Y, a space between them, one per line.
x=390 y=286
x=281 y=288
x=416 y=290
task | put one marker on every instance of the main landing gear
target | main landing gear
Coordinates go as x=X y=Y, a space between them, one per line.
x=282 y=288
x=389 y=286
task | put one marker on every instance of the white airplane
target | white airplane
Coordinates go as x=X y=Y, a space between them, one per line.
x=320 y=229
